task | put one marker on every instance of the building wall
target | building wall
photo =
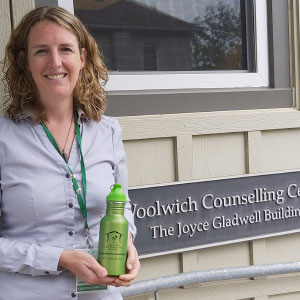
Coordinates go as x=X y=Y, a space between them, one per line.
x=11 y=12
x=168 y=148
x=207 y=145
x=4 y=35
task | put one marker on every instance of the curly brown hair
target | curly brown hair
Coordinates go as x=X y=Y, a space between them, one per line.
x=20 y=90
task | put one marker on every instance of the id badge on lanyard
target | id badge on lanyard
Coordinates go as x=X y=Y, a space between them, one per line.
x=83 y=287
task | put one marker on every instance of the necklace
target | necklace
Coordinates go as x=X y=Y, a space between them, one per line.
x=63 y=153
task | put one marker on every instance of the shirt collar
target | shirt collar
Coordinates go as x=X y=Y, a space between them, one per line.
x=25 y=115
x=81 y=115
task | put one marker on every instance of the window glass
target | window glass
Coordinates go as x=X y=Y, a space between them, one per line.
x=168 y=35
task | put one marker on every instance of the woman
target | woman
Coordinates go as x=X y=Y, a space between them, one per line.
x=54 y=137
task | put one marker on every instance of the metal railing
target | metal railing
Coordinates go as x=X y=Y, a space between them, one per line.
x=166 y=282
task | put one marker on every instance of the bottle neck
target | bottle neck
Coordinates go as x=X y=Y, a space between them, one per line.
x=115 y=208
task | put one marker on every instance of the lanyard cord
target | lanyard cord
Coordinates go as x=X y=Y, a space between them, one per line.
x=81 y=200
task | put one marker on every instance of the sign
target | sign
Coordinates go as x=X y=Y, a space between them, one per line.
x=185 y=216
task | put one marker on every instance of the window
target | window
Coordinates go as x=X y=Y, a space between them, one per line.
x=176 y=44
x=190 y=35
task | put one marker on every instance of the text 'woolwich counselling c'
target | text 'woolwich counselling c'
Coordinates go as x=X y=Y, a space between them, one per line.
x=182 y=216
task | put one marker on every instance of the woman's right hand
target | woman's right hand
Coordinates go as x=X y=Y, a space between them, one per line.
x=85 y=266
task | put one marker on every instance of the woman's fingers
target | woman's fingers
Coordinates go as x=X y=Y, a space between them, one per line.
x=132 y=265
x=85 y=266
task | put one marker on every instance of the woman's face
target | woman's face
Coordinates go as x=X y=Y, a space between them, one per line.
x=54 y=61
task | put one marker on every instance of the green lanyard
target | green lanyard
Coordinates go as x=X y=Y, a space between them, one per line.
x=77 y=189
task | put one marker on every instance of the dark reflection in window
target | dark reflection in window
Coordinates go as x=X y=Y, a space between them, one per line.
x=167 y=35
x=150 y=58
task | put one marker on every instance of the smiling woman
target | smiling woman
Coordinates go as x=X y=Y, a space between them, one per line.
x=59 y=36
x=52 y=192
x=54 y=61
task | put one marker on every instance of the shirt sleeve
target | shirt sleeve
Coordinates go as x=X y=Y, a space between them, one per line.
x=19 y=257
x=31 y=259
x=121 y=175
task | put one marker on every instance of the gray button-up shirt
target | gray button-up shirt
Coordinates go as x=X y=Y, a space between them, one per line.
x=39 y=211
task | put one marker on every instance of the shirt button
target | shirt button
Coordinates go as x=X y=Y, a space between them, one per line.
x=67 y=175
x=47 y=273
x=73 y=295
x=70 y=205
x=70 y=233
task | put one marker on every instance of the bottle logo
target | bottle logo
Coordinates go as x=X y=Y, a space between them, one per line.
x=114 y=237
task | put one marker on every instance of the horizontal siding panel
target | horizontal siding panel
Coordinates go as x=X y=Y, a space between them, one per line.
x=157 y=126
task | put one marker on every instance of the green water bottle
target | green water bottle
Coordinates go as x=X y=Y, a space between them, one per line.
x=112 y=250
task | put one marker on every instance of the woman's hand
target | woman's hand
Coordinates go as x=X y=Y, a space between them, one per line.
x=85 y=266
x=132 y=265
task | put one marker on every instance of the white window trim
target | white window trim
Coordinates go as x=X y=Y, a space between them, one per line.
x=191 y=80
x=67 y=5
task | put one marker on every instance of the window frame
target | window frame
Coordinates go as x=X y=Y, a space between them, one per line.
x=153 y=80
